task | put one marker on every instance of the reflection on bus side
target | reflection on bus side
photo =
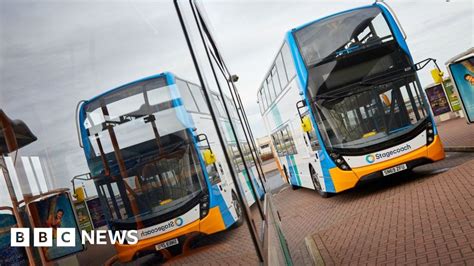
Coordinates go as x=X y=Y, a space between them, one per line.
x=145 y=144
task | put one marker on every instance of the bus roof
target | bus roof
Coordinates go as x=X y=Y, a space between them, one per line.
x=169 y=78
x=329 y=16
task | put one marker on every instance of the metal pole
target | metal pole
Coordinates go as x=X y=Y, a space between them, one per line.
x=226 y=108
x=243 y=116
x=223 y=69
x=250 y=224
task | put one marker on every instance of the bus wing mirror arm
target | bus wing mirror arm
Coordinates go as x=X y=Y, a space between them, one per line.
x=423 y=63
x=203 y=137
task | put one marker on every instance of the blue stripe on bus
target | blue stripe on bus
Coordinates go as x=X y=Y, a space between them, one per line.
x=325 y=161
x=293 y=171
x=224 y=209
x=395 y=29
x=183 y=116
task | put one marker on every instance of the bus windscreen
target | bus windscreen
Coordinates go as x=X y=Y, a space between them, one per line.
x=370 y=115
x=143 y=127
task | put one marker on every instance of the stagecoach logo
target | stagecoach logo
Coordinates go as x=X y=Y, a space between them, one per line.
x=178 y=221
x=370 y=158
x=161 y=228
x=378 y=156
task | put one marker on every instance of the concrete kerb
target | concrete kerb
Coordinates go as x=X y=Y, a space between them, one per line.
x=313 y=251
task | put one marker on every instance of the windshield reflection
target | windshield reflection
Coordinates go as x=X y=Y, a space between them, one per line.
x=343 y=34
x=366 y=116
x=141 y=152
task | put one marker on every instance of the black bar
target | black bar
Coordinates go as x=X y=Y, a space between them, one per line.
x=221 y=139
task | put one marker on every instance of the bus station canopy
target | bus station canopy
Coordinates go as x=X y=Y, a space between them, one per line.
x=15 y=132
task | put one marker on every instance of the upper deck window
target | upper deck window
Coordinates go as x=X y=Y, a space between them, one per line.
x=342 y=34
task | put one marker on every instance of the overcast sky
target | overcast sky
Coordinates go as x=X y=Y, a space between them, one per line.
x=55 y=53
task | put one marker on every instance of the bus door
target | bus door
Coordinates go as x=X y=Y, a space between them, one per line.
x=312 y=145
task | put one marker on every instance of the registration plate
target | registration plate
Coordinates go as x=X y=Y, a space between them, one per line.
x=394 y=169
x=167 y=244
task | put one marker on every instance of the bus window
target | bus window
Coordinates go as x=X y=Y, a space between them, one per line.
x=371 y=116
x=260 y=101
x=281 y=71
x=186 y=95
x=276 y=81
x=277 y=143
x=271 y=89
x=199 y=97
x=288 y=61
x=288 y=141
x=268 y=89
x=220 y=107
x=232 y=108
x=264 y=97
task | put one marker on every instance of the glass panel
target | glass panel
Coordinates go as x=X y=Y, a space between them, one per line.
x=288 y=60
x=264 y=99
x=276 y=81
x=358 y=29
x=267 y=93
x=163 y=170
x=260 y=102
x=281 y=71
x=198 y=95
x=220 y=107
x=271 y=88
x=370 y=115
x=186 y=96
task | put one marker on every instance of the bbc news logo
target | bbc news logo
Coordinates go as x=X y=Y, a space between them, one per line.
x=66 y=237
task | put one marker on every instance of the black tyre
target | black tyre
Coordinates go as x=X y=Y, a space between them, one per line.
x=238 y=210
x=316 y=184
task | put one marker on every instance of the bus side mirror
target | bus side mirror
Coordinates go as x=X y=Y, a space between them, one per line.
x=306 y=124
x=209 y=157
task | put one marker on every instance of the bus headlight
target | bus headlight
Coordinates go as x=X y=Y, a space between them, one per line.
x=204 y=206
x=429 y=133
x=340 y=162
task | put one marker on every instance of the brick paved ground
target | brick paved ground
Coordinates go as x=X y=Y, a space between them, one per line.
x=456 y=132
x=348 y=222
x=428 y=222
x=231 y=247
x=225 y=248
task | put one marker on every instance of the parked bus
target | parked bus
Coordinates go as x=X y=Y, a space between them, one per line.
x=343 y=104
x=153 y=153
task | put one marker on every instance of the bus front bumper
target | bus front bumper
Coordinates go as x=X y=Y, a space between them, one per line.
x=344 y=180
x=211 y=223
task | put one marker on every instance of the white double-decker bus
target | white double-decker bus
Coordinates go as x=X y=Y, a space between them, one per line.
x=154 y=155
x=342 y=102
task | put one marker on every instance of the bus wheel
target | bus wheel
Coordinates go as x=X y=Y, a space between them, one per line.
x=238 y=210
x=316 y=184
